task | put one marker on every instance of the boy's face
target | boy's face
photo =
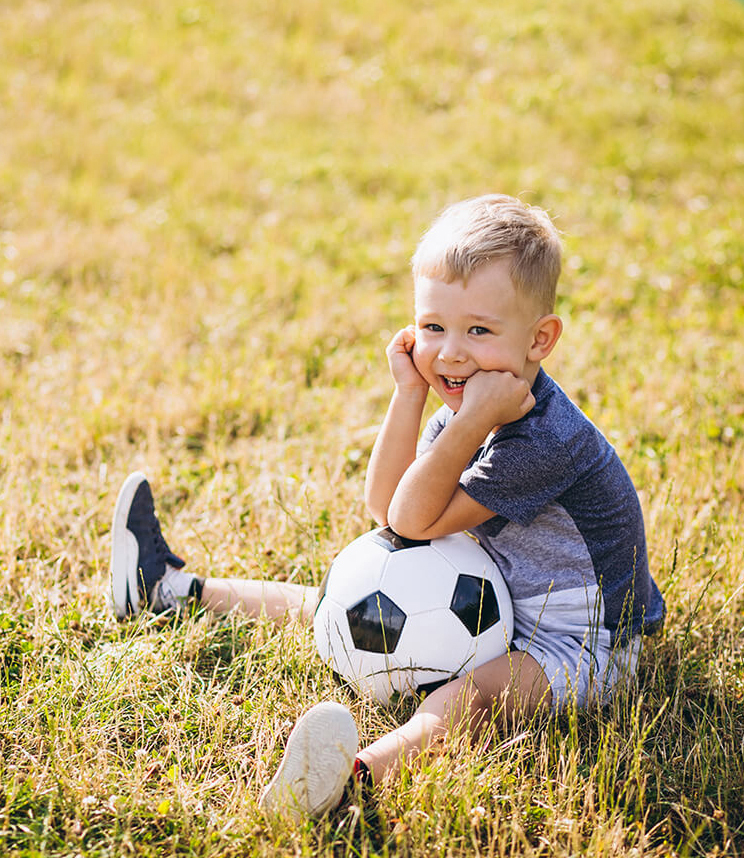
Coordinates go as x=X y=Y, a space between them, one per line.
x=462 y=329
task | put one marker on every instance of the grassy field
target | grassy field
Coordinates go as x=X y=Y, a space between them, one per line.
x=206 y=214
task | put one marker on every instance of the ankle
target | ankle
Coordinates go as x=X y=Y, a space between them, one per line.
x=361 y=772
x=196 y=588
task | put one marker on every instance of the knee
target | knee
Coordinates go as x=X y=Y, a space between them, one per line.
x=428 y=725
x=457 y=700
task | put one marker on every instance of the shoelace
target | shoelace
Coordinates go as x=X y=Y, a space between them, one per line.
x=161 y=546
x=161 y=554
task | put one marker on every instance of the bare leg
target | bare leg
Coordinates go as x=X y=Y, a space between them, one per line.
x=511 y=685
x=278 y=600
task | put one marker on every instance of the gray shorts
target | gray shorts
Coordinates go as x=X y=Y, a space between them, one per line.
x=582 y=670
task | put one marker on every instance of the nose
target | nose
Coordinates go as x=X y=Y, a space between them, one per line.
x=451 y=350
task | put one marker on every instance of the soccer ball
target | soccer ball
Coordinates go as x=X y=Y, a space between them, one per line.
x=404 y=615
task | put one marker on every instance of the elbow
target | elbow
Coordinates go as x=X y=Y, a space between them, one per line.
x=403 y=526
x=378 y=513
x=379 y=519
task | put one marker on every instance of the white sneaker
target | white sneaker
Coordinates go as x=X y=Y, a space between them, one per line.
x=317 y=763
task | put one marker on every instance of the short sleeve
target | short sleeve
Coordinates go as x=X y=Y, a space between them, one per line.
x=433 y=427
x=518 y=474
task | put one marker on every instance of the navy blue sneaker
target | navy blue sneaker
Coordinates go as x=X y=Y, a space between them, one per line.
x=142 y=565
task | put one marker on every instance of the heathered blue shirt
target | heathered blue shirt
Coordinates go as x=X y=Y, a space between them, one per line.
x=567 y=531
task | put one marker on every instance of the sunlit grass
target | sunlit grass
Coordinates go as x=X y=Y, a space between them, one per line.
x=206 y=215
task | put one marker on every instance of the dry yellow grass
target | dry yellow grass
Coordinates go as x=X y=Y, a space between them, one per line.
x=206 y=212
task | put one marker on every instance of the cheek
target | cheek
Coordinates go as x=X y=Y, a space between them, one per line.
x=419 y=355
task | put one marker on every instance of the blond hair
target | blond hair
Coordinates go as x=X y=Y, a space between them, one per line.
x=480 y=230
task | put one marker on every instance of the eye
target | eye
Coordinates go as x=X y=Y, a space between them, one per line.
x=479 y=330
x=432 y=326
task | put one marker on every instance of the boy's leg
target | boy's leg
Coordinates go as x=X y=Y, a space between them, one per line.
x=512 y=685
x=316 y=754
x=146 y=574
x=279 y=600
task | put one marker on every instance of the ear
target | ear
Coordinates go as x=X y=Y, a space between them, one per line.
x=546 y=332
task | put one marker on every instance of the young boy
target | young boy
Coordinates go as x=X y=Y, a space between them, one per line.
x=507 y=457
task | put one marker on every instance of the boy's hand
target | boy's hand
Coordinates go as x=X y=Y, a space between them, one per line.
x=496 y=398
x=399 y=354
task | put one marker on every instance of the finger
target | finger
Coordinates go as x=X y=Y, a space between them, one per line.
x=396 y=341
x=408 y=338
x=528 y=403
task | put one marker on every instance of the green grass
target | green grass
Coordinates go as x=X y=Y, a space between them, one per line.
x=206 y=213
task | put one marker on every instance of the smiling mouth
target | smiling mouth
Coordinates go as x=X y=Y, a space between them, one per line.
x=453 y=384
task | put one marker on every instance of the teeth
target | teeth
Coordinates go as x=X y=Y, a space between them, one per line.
x=454 y=382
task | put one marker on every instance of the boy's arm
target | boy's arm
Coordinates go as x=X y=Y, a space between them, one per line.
x=393 y=452
x=395 y=446
x=428 y=502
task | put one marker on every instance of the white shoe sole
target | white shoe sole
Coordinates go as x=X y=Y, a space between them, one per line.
x=125 y=553
x=317 y=763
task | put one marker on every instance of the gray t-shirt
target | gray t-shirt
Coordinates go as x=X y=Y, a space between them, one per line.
x=567 y=531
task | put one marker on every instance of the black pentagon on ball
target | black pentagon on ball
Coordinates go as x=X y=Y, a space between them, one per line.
x=474 y=603
x=376 y=623
x=390 y=541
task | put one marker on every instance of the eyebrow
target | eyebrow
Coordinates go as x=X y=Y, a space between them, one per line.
x=479 y=318
x=475 y=317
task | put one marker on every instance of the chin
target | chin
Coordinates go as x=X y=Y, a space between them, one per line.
x=453 y=402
